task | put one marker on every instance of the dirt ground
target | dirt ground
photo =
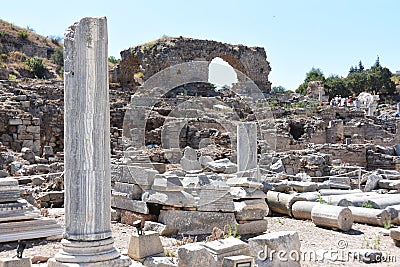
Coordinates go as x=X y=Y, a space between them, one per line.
x=313 y=240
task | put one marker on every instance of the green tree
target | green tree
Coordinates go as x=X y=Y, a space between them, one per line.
x=360 y=66
x=37 y=66
x=58 y=57
x=315 y=74
x=356 y=82
x=335 y=85
x=379 y=80
x=113 y=59
x=278 y=89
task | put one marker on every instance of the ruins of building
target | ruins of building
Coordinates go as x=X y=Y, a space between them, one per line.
x=141 y=62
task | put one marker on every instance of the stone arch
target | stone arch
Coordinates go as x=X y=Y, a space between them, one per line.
x=152 y=57
x=232 y=60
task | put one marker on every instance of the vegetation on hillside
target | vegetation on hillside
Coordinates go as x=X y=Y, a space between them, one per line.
x=376 y=80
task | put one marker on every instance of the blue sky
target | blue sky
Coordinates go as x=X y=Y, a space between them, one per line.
x=297 y=35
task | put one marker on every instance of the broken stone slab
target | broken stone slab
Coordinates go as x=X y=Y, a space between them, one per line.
x=255 y=209
x=397 y=149
x=167 y=183
x=277 y=166
x=214 y=200
x=160 y=228
x=142 y=246
x=394 y=212
x=175 y=199
x=195 y=181
x=227 y=247
x=132 y=191
x=301 y=187
x=372 y=182
x=252 y=227
x=223 y=246
x=262 y=246
x=332 y=217
x=383 y=150
x=245 y=182
x=247 y=193
x=281 y=186
x=222 y=166
x=195 y=222
x=129 y=217
x=16 y=262
x=129 y=204
x=340 y=182
x=204 y=160
x=29 y=229
x=240 y=260
x=194 y=254
x=189 y=160
x=153 y=261
x=17 y=211
x=281 y=202
x=389 y=184
x=395 y=235
x=143 y=177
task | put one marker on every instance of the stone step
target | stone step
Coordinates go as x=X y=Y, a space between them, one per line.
x=29 y=229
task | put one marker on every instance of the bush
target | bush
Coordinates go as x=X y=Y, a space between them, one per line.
x=58 y=57
x=37 y=66
x=57 y=40
x=23 y=34
x=113 y=60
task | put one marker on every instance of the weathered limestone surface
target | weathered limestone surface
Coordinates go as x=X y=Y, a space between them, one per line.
x=262 y=245
x=255 y=209
x=332 y=216
x=142 y=246
x=88 y=238
x=15 y=262
x=247 y=146
x=195 y=222
x=194 y=254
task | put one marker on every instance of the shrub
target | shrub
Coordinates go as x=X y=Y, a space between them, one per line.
x=58 y=57
x=2 y=33
x=113 y=60
x=37 y=66
x=56 y=39
x=23 y=34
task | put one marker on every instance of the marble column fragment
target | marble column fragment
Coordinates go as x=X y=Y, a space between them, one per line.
x=246 y=146
x=88 y=239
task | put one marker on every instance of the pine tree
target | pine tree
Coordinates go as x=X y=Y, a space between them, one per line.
x=360 y=66
x=377 y=64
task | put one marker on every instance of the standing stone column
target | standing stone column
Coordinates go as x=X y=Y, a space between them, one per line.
x=88 y=238
x=246 y=146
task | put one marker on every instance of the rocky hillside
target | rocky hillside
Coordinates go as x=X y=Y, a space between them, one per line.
x=23 y=53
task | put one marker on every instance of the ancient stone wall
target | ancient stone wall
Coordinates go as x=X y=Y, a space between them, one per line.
x=141 y=62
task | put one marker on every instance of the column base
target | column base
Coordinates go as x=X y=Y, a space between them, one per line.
x=122 y=261
x=89 y=253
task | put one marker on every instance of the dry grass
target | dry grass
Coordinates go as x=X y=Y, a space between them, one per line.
x=7 y=28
